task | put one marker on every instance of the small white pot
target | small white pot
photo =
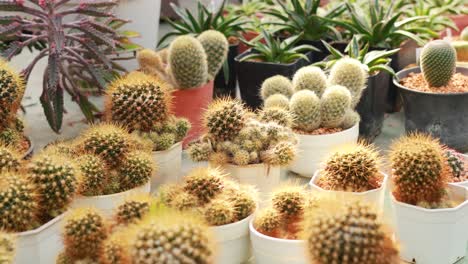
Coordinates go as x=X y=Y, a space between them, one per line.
x=376 y=196
x=233 y=242
x=41 y=245
x=169 y=164
x=270 y=250
x=108 y=203
x=433 y=236
x=313 y=149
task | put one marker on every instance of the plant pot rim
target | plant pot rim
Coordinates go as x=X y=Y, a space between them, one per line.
x=42 y=227
x=265 y=237
x=317 y=177
x=433 y=211
x=245 y=53
x=328 y=135
x=107 y=196
x=222 y=228
x=418 y=70
x=169 y=149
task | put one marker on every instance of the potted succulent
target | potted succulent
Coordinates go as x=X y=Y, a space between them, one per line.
x=458 y=166
x=251 y=148
x=322 y=109
x=267 y=59
x=225 y=205
x=430 y=214
x=142 y=103
x=435 y=94
x=353 y=169
x=188 y=66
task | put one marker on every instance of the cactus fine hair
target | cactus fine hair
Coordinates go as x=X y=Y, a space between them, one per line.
x=277 y=84
x=310 y=78
x=350 y=73
x=305 y=108
x=216 y=47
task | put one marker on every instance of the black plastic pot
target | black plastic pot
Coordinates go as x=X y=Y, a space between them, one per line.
x=371 y=107
x=251 y=75
x=441 y=115
x=221 y=87
x=316 y=56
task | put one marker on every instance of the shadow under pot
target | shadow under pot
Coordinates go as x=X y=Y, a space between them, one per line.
x=443 y=115
x=251 y=75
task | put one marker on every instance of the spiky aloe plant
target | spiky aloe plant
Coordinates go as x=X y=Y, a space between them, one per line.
x=79 y=46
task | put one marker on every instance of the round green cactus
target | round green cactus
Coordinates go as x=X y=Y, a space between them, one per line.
x=7 y=248
x=241 y=157
x=184 y=201
x=336 y=100
x=134 y=208
x=438 y=62
x=188 y=63
x=277 y=84
x=275 y=114
x=224 y=118
x=216 y=48
x=310 y=78
x=456 y=163
x=305 y=108
x=94 y=174
x=10 y=159
x=276 y=100
x=204 y=183
x=289 y=200
x=350 y=73
x=182 y=126
x=351 y=118
x=219 y=212
x=136 y=170
x=268 y=222
x=243 y=199
x=12 y=88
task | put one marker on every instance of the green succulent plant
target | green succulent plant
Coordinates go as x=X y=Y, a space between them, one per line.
x=438 y=62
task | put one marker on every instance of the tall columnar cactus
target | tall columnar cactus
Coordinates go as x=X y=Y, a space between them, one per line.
x=305 y=108
x=18 y=202
x=188 y=64
x=362 y=236
x=84 y=232
x=204 y=183
x=136 y=170
x=56 y=178
x=277 y=84
x=419 y=169
x=137 y=101
x=352 y=168
x=336 y=100
x=438 y=62
x=94 y=174
x=10 y=159
x=224 y=118
x=216 y=47
x=12 y=88
x=350 y=73
x=7 y=247
x=310 y=78
x=276 y=100
x=134 y=208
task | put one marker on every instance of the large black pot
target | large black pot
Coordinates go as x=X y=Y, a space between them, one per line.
x=221 y=87
x=251 y=75
x=316 y=56
x=371 y=107
x=441 y=115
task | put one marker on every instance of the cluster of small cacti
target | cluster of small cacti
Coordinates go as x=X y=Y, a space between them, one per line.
x=353 y=168
x=165 y=134
x=283 y=217
x=188 y=62
x=217 y=199
x=456 y=164
x=7 y=248
x=240 y=137
x=315 y=100
x=438 y=62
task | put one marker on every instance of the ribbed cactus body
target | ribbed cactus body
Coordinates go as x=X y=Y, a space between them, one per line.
x=438 y=62
x=305 y=108
x=336 y=100
x=224 y=118
x=310 y=78
x=136 y=170
x=11 y=93
x=350 y=73
x=277 y=84
x=10 y=159
x=134 y=208
x=216 y=48
x=94 y=174
x=461 y=47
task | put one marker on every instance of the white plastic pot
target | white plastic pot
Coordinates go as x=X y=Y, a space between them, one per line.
x=41 y=245
x=433 y=236
x=376 y=196
x=108 y=203
x=233 y=242
x=169 y=164
x=270 y=250
x=313 y=149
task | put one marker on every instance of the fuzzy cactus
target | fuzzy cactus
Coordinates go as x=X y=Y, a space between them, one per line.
x=136 y=170
x=7 y=248
x=276 y=100
x=419 y=171
x=289 y=201
x=204 y=183
x=10 y=159
x=216 y=47
x=351 y=118
x=12 y=88
x=241 y=157
x=188 y=64
x=350 y=73
x=456 y=163
x=277 y=84
x=137 y=101
x=219 y=212
x=18 y=202
x=353 y=168
x=84 y=231
x=275 y=114
x=438 y=62
x=336 y=100
x=133 y=208
x=94 y=174
x=150 y=62
x=305 y=108
x=115 y=249
x=268 y=222
x=200 y=151
x=281 y=154
x=224 y=118
x=310 y=78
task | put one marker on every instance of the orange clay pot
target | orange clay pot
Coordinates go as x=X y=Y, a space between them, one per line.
x=190 y=104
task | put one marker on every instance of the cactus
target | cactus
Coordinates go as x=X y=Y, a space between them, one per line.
x=56 y=178
x=456 y=163
x=351 y=118
x=216 y=48
x=419 y=171
x=336 y=100
x=438 y=62
x=134 y=208
x=277 y=84
x=219 y=212
x=276 y=114
x=184 y=201
x=84 y=232
x=137 y=101
x=10 y=159
x=94 y=174
x=12 y=88
x=362 y=237
x=310 y=78
x=281 y=154
x=461 y=47
x=241 y=157
x=188 y=64
x=464 y=34
x=243 y=199
x=7 y=248
x=220 y=158
x=268 y=222
x=18 y=202
x=350 y=73
x=224 y=118
x=305 y=108
x=353 y=168
x=115 y=249
x=276 y=100
x=136 y=170
x=150 y=62
x=204 y=183
x=289 y=201
x=200 y=151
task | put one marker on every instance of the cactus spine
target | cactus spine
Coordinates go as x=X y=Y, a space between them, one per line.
x=134 y=208
x=305 y=108
x=310 y=78
x=438 y=62
x=224 y=118
x=94 y=174
x=277 y=84
x=336 y=100
x=277 y=100
x=10 y=159
x=216 y=48
x=204 y=183
x=456 y=163
x=136 y=170
x=12 y=88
